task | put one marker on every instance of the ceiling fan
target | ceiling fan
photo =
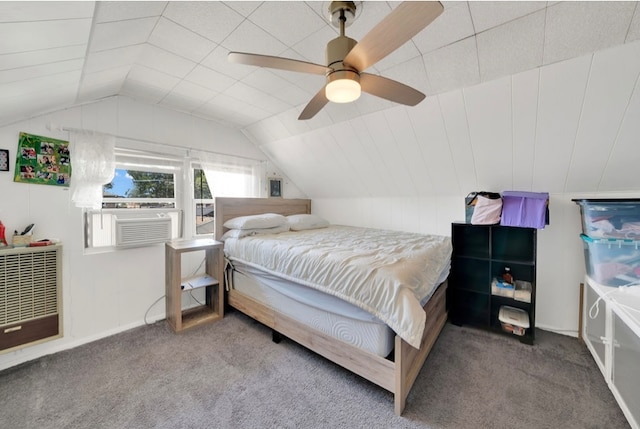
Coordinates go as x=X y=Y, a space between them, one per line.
x=347 y=59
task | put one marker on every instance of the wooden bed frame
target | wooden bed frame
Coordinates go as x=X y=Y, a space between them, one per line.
x=396 y=376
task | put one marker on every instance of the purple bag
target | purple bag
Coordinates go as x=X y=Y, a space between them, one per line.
x=525 y=209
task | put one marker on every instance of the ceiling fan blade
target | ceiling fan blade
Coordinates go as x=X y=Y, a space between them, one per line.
x=404 y=22
x=277 y=63
x=314 y=106
x=390 y=89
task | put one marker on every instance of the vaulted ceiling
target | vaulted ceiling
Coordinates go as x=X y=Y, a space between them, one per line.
x=527 y=95
x=56 y=54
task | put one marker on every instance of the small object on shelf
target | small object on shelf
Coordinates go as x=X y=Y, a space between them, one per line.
x=506 y=276
x=522 y=291
x=198 y=282
x=513 y=320
x=501 y=288
x=21 y=240
x=40 y=243
x=27 y=229
x=3 y=240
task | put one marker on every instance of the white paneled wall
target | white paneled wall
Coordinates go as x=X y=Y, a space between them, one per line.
x=612 y=78
x=624 y=160
x=488 y=109
x=524 y=99
x=457 y=130
x=108 y=292
x=430 y=135
x=560 y=101
x=565 y=127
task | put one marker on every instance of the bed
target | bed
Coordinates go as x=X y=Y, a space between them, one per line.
x=259 y=293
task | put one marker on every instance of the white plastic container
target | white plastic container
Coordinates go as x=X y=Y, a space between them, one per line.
x=513 y=320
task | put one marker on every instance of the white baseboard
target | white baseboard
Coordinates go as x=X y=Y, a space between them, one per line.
x=27 y=354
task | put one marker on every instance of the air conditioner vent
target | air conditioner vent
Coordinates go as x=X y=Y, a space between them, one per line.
x=140 y=231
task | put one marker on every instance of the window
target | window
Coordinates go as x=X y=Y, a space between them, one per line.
x=221 y=176
x=140 y=206
x=203 y=203
x=139 y=189
x=152 y=194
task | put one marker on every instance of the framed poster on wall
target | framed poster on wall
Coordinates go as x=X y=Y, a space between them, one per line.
x=42 y=160
x=275 y=187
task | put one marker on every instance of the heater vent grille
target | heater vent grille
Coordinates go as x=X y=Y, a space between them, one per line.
x=29 y=285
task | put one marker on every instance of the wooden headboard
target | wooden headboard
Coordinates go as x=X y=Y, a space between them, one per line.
x=227 y=208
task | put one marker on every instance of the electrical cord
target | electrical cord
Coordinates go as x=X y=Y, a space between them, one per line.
x=149 y=309
x=163 y=296
x=193 y=273
x=194 y=298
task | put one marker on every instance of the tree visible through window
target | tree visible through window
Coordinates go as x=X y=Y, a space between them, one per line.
x=138 y=186
x=151 y=185
x=204 y=203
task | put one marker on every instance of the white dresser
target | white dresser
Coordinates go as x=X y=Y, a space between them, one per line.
x=611 y=330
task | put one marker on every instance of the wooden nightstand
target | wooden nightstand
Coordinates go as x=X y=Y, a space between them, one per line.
x=211 y=281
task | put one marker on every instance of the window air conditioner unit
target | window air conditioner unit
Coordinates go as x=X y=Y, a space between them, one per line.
x=139 y=231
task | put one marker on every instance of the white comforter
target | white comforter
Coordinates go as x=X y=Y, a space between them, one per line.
x=386 y=273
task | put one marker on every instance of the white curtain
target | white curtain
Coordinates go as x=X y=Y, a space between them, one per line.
x=93 y=162
x=229 y=176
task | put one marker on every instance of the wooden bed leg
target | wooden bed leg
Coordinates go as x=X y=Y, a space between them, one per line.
x=400 y=393
x=276 y=337
x=409 y=360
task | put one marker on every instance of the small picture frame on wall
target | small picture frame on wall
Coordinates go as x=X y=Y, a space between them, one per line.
x=4 y=160
x=275 y=187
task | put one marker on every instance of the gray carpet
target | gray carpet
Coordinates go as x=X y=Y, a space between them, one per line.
x=231 y=375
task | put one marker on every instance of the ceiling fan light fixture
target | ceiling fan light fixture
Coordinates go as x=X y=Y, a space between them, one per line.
x=343 y=86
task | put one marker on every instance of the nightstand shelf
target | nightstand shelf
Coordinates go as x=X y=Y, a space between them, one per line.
x=211 y=281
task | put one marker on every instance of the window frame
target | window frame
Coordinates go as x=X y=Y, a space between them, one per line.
x=193 y=204
x=144 y=161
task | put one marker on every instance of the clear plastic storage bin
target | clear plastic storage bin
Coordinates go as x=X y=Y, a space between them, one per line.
x=610 y=218
x=612 y=262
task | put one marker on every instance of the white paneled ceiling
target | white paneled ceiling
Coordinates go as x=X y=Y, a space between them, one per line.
x=528 y=95
x=568 y=127
x=174 y=53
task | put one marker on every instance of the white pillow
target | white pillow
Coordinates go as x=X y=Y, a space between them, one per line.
x=265 y=220
x=239 y=233
x=301 y=222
